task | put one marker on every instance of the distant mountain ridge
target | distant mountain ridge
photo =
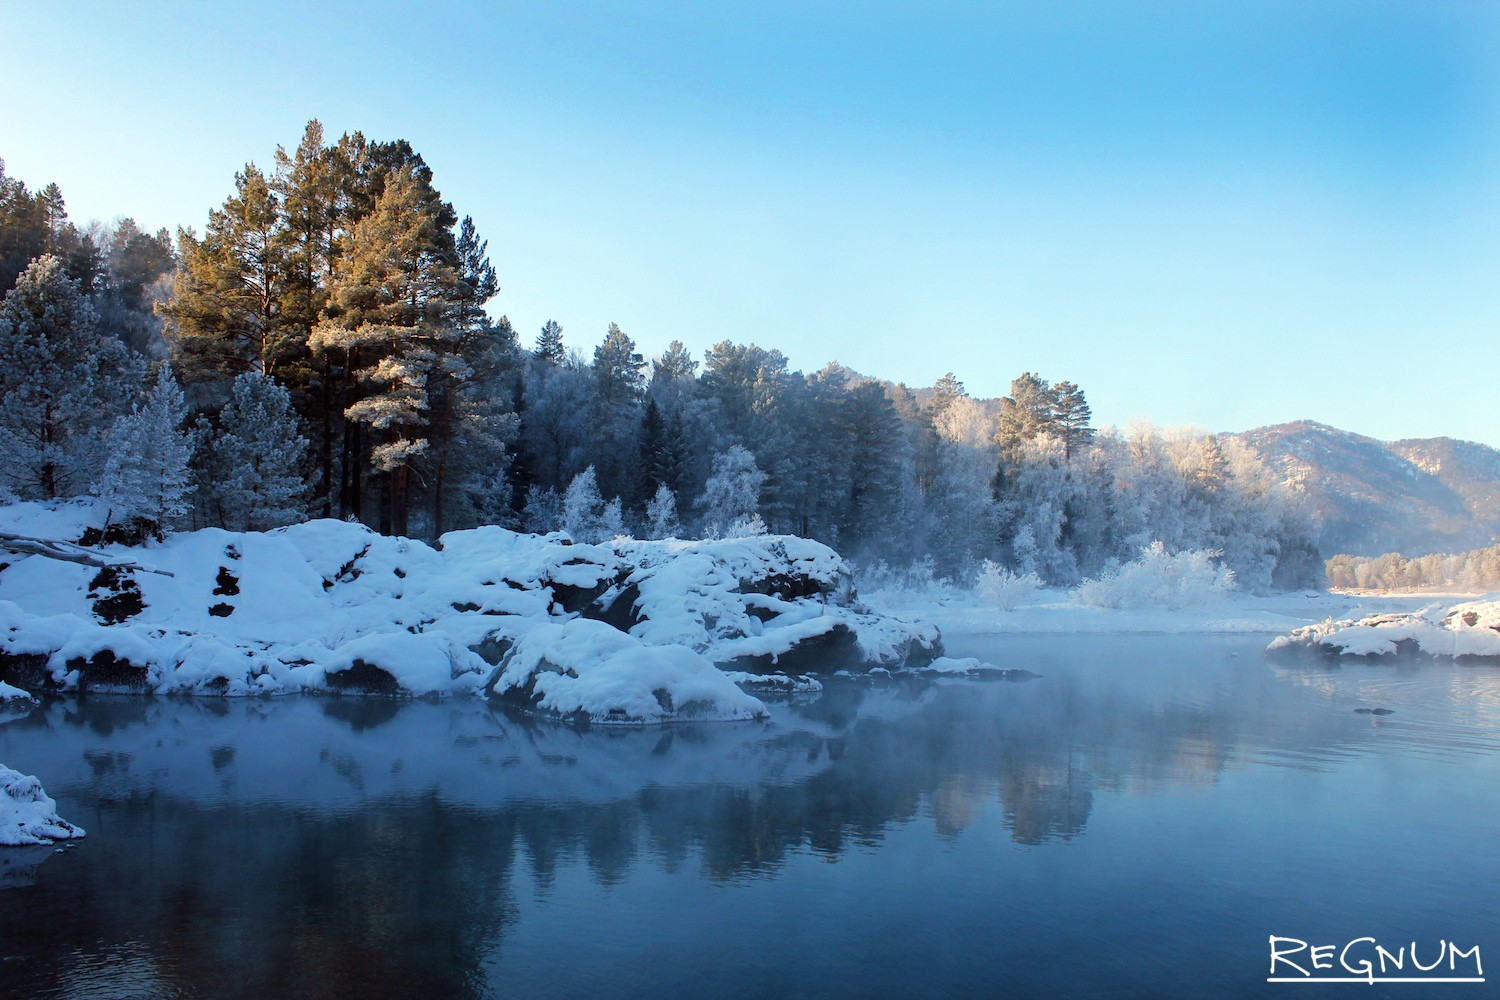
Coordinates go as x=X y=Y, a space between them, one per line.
x=1415 y=496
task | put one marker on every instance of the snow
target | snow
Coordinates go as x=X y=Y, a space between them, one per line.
x=27 y=815
x=9 y=693
x=326 y=604
x=1465 y=629
x=590 y=669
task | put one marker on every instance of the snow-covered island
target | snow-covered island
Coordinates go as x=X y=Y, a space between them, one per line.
x=626 y=631
x=27 y=815
x=1466 y=631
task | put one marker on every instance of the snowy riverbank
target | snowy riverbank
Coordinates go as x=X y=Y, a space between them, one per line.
x=1465 y=630
x=628 y=631
x=1055 y=611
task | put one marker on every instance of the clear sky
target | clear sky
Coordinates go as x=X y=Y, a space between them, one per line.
x=1212 y=213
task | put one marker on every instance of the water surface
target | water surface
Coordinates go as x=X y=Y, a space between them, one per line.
x=1137 y=821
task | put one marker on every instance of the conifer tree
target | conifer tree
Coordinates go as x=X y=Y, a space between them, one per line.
x=257 y=456
x=63 y=384
x=1071 y=416
x=225 y=310
x=392 y=301
x=145 y=478
x=549 y=344
x=619 y=388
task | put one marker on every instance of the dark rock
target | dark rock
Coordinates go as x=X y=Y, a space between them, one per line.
x=618 y=607
x=363 y=678
x=105 y=671
x=227 y=584
x=27 y=671
x=221 y=610
x=116 y=595
x=836 y=649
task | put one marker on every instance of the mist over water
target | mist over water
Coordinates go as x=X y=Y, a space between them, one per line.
x=1137 y=820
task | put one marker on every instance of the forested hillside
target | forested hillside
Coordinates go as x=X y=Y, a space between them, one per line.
x=326 y=347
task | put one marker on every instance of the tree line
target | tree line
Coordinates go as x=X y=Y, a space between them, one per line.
x=324 y=348
x=1465 y=572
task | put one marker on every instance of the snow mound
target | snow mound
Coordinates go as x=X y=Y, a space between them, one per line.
x=330 y=605
x=27 y=815
x=1470 y=630
x=587 y=670
x=9 y=694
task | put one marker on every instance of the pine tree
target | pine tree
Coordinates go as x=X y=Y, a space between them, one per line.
x=619 y=389
x=225 y=310
x=258 y=454
x=145 y=478
x=392 y=299
x=675 y=364
x=1071 y=416
x=63 y=384
x=944 y=392
x=549 y=344
x=1030 y=410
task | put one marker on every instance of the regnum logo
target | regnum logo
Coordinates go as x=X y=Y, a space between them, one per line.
x=1365 y=960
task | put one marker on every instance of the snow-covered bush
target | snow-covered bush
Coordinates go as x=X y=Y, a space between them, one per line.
x=1159 y=579
x=1001 y=588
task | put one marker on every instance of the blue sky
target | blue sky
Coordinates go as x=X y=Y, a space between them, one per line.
x=1221 y=214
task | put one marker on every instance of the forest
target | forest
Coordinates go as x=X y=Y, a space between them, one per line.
x=326 y=347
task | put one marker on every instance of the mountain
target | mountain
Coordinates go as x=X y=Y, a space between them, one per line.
x=1414 y=497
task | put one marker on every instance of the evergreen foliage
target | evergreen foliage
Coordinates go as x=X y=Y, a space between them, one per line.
x=145 y=478
x=64 y=382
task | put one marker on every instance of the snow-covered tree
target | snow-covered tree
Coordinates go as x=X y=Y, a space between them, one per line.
x=145 y=479
x=63 y=384
x=257 y=455
x=661 y=514
x=731 y=498
x=542 y=512
x=585 y=515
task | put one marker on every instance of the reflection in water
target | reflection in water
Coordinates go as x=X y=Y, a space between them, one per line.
x=356 y=847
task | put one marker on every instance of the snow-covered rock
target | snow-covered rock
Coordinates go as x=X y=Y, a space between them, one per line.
x=27 y=814
x=330 y=605
x=588 y=670
x=1470 y=630
x=9 y=694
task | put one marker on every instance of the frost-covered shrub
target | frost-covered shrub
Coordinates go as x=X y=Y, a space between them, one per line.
x=1159 y=579
x=1001 y=588
x=918 y=580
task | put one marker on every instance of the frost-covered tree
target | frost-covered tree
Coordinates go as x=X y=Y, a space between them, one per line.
x=257 y=456
x=543 y=510
x=146 y=479
x=731 y=497
x=585 y=514
x=960 y=501
x=63 y=381
x=661 y=514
